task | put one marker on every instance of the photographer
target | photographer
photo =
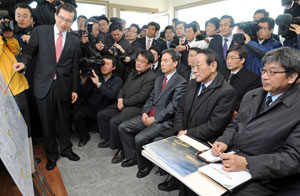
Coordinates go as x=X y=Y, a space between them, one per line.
x=90 y=38
x=46 y=10
x=264 y=43
x=115 y=44
x=96 y=92
x=17 y=83
x=296 y=28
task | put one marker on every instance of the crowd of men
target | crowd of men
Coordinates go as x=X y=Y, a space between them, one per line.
x=133 y=87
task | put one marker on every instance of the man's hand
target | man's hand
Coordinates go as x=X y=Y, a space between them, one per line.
x=127 y=59
x=50 y=1
x=8 y=34
x=83 y=79
x=218 y=148
x=84 y=39
x=233 y=162
x=247 y=38
x=182 y=132
x=74 y=97
x=119 y=47
x=18 y=67
x=100 y=46
x=180 y=48
x=149 y=121
x=120 y=104
x=95 y=78
x=295 y=28
x=26 y=38
x=144 y=118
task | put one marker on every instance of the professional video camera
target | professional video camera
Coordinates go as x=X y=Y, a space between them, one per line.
x=249 y=28
x=57 y=3
x=117 y=53
x=7 y=25
x=89 y=64
x=286 y=2
x=284 y=21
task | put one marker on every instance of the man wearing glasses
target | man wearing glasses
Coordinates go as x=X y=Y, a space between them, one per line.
x=265 y=135
x=258 y=48
x=56 y=80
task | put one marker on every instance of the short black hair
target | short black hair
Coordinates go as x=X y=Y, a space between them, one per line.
x=144 y=27
x=170 y=27
x=157 y=26
x=93 y=20
x=68 y=7
x=81 y=16
x=211 y=56
x=181 y=22
x=103 y=17
x=287 y=57
x=262 y=11
x=175 y=20
x=215 y=21
x=196 y=49
x=191 y=25
x=196 y=24
x=138 y=29
x=270 y=22
x=25 y=6
x=111 y=57
x=240 y=49
x=156 y=48
x=115 y=26
x=147 y=54
x=231 y=19
x=175 y=55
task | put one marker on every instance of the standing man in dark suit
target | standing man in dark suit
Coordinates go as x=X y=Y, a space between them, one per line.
x=56 y=80
x=156 y=116
x=206 y=107
x=240 y=78
x=149 y=40
x=220 y=44
x=266 y=132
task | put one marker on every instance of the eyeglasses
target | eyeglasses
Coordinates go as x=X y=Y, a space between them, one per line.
x=66 y=20
x=232 y=58
x=132 y=31
x=141 y=61
x=270 y=72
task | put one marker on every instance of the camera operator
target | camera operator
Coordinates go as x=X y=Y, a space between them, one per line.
x=133 y=32
x=17 y=83
x=264 y=43
x=46 y=10
x=115 y=44
x=90 y=38
x=96 y=92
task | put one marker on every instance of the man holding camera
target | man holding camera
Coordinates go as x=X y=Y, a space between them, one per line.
x=264 y=43
x=56 y=80
x=96 y=92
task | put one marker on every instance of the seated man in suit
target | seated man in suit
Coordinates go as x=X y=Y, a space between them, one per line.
x=156 y=115
x=220 y=44
x=265 y=133
x=206 y=107
x=240 y=78
x=131 y=99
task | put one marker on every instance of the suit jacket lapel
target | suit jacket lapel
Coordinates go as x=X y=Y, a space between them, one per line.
x=158 y=89
x=51 y=42
x=190 y=96
x=67 y=45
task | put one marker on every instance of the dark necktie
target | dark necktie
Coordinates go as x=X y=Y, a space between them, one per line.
x=268 y=101
x=162 y=88
x=229 y=78
x=225 y=47
x=202 y=88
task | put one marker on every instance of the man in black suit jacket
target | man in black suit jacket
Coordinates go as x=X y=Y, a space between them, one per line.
x=148 y=41
x=225 y=39
x=240 y=78
x=156 y=116
x=266 y=132
x=56 y=80
x=207 y=105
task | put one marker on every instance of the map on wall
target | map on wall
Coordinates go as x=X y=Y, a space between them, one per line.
x=14 y=148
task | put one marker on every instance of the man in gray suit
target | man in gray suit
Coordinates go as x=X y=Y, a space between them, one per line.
x=156 y=116
x=266 y=132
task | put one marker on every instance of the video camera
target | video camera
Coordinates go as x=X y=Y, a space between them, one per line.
x=249 y=28
x=117 y=53
x=7 y=25
x=57 y=3
x=284 y=21
x=89 y=64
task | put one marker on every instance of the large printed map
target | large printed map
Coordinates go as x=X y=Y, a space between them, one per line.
x=14 y=149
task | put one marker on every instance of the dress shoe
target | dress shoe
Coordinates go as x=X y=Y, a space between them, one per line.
x=51 y=164
x=84 y=142
x=129 y=162
x=104 y=144
x=169 y=185
x=71 y=156
x=144 y=172
x=119 y=156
